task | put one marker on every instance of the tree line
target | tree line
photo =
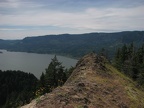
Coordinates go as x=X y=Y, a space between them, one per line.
x=130 y=61
x=18 y=88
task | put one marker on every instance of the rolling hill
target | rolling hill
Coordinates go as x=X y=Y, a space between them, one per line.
x=74 y=45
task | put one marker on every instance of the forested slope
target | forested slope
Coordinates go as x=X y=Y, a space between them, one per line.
x=75 y=45
x=16 y=88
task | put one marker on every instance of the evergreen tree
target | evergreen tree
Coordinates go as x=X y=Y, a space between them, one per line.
x=61 y=76
x=117 y=59
x=130 y=51
x=42 y=80
x=131 y=62
x=55 y=74
x=16 y=88
x=124 y=53
x=69 y=71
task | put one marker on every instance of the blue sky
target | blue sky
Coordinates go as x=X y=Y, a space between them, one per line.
x=22 y=18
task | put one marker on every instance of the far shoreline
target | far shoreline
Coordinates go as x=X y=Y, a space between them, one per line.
x=63 y=55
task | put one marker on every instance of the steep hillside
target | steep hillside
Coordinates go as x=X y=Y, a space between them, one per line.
x=75 y=45
x=94 y=83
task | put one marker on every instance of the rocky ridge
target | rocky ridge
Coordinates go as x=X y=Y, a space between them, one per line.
x=94 y=83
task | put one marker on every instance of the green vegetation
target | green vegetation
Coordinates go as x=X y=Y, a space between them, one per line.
x=130 y=61
x=74 y=45
x=54 y=76
x=18 y=88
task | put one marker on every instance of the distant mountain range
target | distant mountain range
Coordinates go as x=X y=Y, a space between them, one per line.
x=74 y=45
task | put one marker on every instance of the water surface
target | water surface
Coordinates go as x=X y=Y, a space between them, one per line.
x=30 y=62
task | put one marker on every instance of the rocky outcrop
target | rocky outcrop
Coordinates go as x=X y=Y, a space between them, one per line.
x=93 y=84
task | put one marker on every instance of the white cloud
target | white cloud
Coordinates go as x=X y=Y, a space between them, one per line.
x=90 y=19
x=10 y=4
x=10 y=29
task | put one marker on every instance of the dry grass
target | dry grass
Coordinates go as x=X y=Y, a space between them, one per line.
x=95 y=84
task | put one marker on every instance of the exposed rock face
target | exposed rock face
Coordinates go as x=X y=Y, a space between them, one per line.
x=93 y=84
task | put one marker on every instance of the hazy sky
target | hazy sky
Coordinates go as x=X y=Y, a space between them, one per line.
x=21 y=18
